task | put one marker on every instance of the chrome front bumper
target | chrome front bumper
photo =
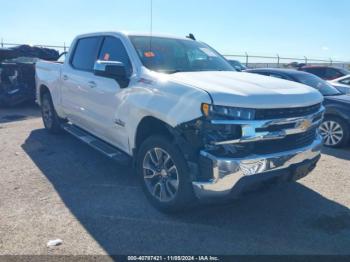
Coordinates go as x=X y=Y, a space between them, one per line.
x=257 y=130
x=228 y=172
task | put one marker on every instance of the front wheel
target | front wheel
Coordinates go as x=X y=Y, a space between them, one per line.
x=164 y=174
x=335 y=132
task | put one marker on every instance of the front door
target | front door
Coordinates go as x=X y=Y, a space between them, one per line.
x=105 y=96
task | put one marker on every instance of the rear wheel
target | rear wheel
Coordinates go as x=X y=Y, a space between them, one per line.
x=164 y=174
x=51 y=121
x=335 y=132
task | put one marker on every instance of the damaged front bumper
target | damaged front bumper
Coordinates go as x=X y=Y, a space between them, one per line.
x=234 y=175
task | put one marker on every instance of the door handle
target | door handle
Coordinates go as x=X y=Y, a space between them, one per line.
x=92 y=84
x=65 y=77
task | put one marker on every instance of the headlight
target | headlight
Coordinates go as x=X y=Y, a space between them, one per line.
x=228 y=112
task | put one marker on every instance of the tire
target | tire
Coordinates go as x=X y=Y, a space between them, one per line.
x=51 y=121
x=164 y=175
x=335 y=131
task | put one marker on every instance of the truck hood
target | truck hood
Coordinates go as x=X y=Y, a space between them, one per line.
x=249 y=90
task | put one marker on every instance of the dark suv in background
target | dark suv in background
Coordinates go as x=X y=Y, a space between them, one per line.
x=325 y=72
x=335 y=128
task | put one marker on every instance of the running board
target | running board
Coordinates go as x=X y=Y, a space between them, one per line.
x=96 y=143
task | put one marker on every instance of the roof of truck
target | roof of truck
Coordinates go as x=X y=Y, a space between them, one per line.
x=127 y=33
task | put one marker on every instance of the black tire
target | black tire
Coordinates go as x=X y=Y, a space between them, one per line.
x=342 y=127
x=51 y=121
x=184 y=196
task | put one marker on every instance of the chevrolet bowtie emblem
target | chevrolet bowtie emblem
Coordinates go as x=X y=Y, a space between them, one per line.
x=305 y=124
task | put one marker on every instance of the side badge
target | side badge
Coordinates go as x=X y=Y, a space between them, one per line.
x=119 y=122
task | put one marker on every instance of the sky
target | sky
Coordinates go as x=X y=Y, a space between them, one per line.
x=297 y=28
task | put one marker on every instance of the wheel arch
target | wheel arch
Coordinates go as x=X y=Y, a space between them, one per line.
x=337 y=115
x=181 y=136
x=148 y=126
x=333 y=111
x=43 y=89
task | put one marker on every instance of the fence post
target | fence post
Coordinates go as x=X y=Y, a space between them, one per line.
x=64 y=47
x=246 y=58
x=331 y=61
x=305 y=60
x=278 y=60
x=2 y=42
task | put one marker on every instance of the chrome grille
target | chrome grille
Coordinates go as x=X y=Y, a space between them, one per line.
x=263 y=114
x=290 y=142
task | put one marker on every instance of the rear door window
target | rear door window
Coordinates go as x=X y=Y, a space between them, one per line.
x=113 y=50
x=332 y=73
x=85 y=53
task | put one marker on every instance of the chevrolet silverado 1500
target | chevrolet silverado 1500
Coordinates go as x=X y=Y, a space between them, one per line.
x=192 y=126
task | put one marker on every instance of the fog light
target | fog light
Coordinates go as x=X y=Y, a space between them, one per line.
x=253 y=167
x=227 y=167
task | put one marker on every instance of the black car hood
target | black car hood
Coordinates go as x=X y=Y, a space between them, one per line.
x=342 y=99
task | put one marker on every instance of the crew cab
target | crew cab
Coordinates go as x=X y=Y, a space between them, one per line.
x=175 y=109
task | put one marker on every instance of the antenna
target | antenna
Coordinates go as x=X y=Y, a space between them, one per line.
x=151 y=27
x=191 y=36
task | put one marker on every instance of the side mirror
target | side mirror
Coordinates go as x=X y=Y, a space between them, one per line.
x=112 y=69
x=238 y=68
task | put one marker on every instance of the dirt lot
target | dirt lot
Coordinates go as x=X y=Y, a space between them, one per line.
x=56 y=187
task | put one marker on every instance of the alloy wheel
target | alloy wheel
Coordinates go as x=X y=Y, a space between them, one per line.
x=332 y=133
x=160 y=174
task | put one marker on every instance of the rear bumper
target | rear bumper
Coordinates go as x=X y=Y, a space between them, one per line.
x=232 y=176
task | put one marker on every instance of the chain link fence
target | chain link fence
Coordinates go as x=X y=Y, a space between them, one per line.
x=251 y=61
x=257 y=61
x=60 y=48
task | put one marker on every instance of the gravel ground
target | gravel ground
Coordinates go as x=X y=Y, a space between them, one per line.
x=57 y=187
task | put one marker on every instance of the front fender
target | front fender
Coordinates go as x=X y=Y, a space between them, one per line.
x=171 y=103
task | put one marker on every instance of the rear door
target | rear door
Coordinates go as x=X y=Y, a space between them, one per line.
x=77 y=81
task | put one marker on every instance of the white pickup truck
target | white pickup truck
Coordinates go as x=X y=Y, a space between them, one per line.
x=192 y=126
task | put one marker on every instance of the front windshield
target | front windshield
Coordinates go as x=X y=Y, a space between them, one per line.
x=169 y=55
x=318 y=83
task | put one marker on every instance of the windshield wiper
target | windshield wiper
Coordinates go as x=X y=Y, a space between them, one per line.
x=170 y=71
x=336 y=94
x=175 y=71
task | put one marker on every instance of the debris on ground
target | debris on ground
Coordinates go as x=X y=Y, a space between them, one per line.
x=55 y=242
